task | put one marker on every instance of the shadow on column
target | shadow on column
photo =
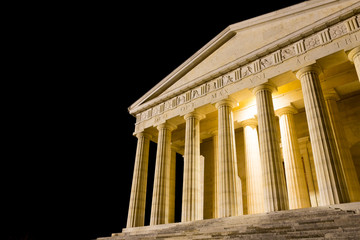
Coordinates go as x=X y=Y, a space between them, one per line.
x=150 y=181
x=150 y=184
x=179 y=186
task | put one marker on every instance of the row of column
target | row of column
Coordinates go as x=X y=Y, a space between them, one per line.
x=265 y=173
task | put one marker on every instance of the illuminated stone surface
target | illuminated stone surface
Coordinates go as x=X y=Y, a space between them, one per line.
x=232 y=166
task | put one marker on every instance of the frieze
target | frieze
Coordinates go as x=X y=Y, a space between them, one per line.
x=312 y=42
x=288 y=52
x=295 y=49
x=267 y=61
x=247 y=70
x=337 y=30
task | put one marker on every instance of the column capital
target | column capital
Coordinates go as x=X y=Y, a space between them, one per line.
x=354 y=53
x=286 y=110
x=252 y=122
x=265 y=86
x=141 y=134
x=226 y=102
x=194 y=114
x=166 y=125
x=213 y=131
x=311 y=68
x=331 y=94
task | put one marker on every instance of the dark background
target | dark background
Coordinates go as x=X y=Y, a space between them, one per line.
x=70 y=152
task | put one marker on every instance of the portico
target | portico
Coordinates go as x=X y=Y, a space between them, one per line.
x=267 y=131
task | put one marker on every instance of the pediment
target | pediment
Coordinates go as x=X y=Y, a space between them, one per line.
x=240 y=40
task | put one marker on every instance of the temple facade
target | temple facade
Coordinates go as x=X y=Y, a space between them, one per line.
x=266 y=117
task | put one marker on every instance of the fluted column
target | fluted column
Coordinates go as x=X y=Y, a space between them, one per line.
x=354 y=56
x=275 y=195
x=160 y=201
x=191 y=202
x=342 y=146
x=216 y=174
x=136 y=214
x=172 y=182
x=294 y=170
x=254 y=182
x=310 y=174
x=227 y=163
x=332 y=187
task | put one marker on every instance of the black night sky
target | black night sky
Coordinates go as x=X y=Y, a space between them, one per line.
x=70 y=153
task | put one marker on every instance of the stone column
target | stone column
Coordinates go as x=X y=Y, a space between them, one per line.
x=354 y=56
x=202 y=187
x=332 y=187
x=254 y=182
x=294 y=170
x=216 y=174
x=310 y=174
x=160 y=201
x=191 y=199
x=227 y=163
x=172 y=182
x=275 y=195
x=342 y=146
x=136 y=215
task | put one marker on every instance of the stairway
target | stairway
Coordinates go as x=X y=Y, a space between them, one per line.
x=340 y=221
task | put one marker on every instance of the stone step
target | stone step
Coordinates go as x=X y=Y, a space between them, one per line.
x=332 y=222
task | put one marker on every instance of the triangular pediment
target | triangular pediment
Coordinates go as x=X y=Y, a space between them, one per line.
x=241 y=39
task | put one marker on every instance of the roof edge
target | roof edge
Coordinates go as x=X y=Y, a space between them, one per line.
x=189 y=64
